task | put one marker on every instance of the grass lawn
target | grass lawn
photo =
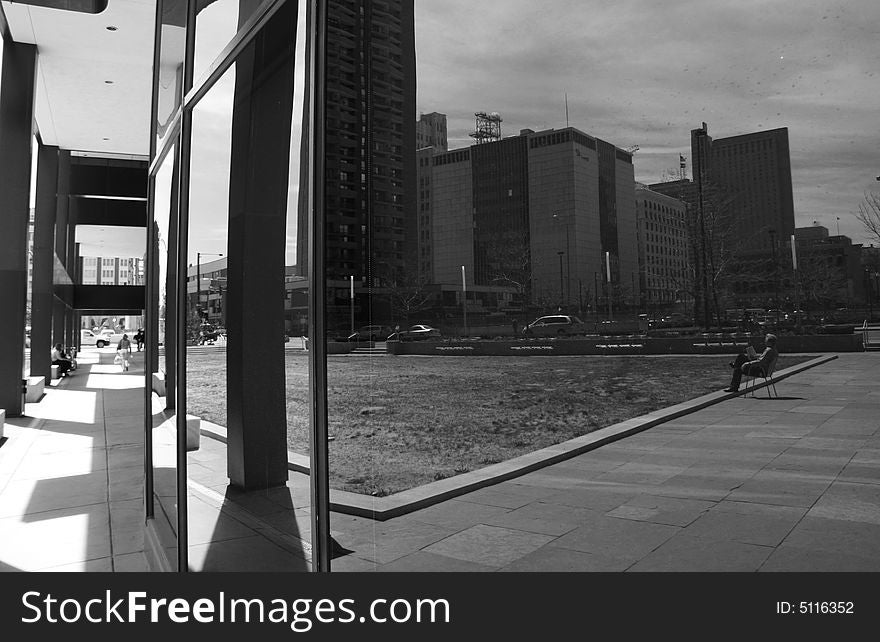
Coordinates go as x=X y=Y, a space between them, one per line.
x=399 y=422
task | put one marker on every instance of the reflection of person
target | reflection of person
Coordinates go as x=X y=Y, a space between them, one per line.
x=123 y=351
x=764 y=364
x=60 y=359
x=139 y=339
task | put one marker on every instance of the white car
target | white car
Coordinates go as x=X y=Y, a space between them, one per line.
x=100 y=339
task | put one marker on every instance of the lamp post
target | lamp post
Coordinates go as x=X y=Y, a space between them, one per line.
x=352 y=303
x=464 y=299
x=561 y=281
x=608 y=275
x=797 y=296
x=199 y=256
x=558 y=217
x=772 y=233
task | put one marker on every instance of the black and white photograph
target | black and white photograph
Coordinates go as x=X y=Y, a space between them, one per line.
x=572 y=290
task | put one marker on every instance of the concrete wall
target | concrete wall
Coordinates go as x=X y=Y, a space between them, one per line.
x=627 y=345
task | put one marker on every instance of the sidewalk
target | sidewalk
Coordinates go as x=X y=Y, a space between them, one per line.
x=748 y=484
x=71 y=473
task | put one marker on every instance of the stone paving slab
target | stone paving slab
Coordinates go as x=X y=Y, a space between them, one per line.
x=848 y=501
x=426 y=562
x=553 y=559
x=489 y=545
x=836 y=536
x=672 y=511
x=54 y=538
x=794 y=559
x=684 y=553
x=544 y=518
x=618 y=538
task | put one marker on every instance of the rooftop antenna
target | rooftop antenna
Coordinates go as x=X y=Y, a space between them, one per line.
x=488 y=127
x=566 y=110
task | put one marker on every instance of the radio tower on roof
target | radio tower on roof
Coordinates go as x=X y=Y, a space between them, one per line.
x=488 y=127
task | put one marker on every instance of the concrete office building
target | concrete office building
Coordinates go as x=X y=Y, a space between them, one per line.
x=100 y=270
x=430 y=139
x=740 y=205
x=663 y=248
x=431 y=132
x=541 y=211
x=831 y=268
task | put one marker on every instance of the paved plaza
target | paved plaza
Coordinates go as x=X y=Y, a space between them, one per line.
x=746 y=484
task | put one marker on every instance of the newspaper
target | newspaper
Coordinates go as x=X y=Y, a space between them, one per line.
x=751 y=354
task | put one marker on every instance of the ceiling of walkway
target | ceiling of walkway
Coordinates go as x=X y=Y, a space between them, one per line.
x=94 y=76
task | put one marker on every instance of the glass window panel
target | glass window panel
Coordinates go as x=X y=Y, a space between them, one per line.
x=242 y=365
x=217 y=23
x=172 y=51
x=161 y=347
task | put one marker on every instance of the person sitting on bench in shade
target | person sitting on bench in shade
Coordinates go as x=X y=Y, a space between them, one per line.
x=759 y=367
x=60 y=359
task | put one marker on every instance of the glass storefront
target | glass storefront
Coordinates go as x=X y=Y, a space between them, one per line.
x=225 y=290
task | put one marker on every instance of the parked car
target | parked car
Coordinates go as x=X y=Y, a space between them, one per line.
x=673 y=320
x=418 y=332
x=371 y=333
x=99 y=339
x=556 y=325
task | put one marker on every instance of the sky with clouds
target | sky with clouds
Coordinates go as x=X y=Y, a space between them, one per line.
x=641 y=72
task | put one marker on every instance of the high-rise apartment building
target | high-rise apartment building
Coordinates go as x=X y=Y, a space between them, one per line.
x=371 y=141
x=549 y=213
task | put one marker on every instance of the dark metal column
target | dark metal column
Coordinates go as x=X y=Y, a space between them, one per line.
x=262 y=113
x=16 y=126
x=314 y=220
x=42 y=290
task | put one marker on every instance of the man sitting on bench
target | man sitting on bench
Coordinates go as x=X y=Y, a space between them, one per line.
x=61 y=360
x=761 y=366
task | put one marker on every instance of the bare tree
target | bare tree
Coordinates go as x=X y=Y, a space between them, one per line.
x=410 y=294
x=510 y=263
x=869 y=214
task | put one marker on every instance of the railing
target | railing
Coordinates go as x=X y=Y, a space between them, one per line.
x=870 y=335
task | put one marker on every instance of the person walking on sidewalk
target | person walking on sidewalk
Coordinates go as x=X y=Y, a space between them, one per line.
x=123 y=352
x=760 y=366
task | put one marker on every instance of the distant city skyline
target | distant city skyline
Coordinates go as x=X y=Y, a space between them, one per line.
x=638 y=73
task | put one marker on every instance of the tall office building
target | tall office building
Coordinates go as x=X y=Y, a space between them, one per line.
x=740 y=213
x=551 y=213
x=431 y=132
x=371 y=141
x=663 y=247
x=753 y=173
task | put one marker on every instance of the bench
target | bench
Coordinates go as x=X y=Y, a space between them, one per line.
x=35 y=389
x=193 y=430
x=158 y=383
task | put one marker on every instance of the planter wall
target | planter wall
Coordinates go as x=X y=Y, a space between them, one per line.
x=626 y=345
